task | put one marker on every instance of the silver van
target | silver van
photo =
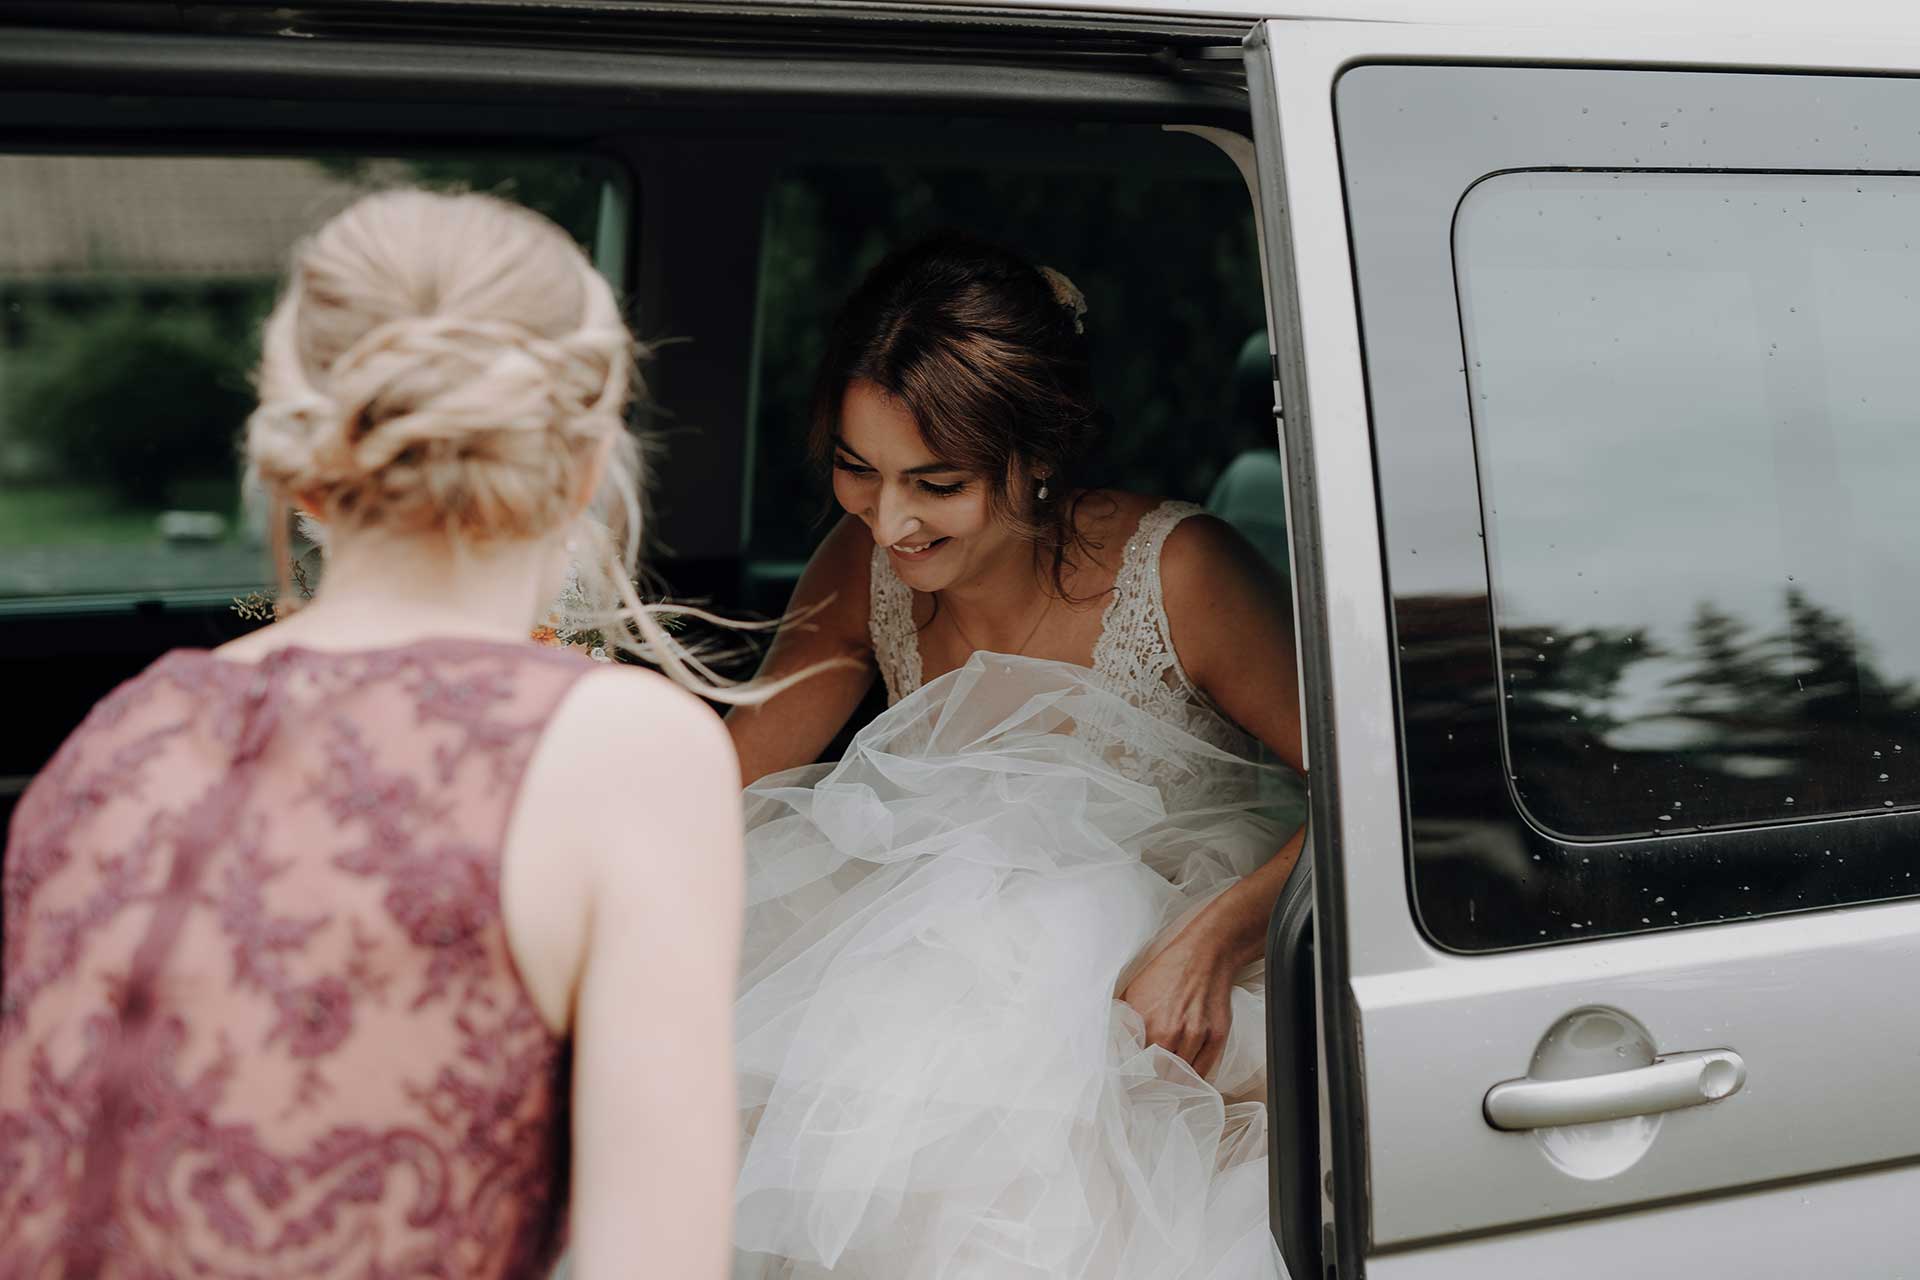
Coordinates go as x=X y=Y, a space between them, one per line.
x=1586 y=420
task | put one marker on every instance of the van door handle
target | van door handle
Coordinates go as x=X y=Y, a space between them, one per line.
x=1668 y=1084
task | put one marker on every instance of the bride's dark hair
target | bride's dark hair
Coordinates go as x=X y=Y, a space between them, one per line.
x=986 y=352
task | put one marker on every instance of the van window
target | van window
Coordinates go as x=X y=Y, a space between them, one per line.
x=1692 y=399
x=131 y=293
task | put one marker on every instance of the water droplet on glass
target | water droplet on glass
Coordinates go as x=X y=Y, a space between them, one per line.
x=1666 y=817
x=1789 y=799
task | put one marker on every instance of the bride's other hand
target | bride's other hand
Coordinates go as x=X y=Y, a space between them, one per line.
x=1185 y=996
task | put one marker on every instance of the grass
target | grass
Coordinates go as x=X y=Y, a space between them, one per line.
x=64 y=513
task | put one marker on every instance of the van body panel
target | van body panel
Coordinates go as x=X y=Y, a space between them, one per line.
x=1376 y=166
x=1860 y=1225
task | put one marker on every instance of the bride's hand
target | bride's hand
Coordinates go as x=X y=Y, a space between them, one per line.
x=1185 y=995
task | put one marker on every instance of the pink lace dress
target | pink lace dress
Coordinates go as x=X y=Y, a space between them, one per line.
x=258 y=1015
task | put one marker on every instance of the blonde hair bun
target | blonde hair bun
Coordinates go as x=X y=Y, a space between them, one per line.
x=443 y=362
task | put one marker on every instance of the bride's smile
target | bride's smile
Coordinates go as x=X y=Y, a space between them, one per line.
x=935 y=518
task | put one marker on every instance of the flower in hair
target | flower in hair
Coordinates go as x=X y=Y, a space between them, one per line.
x=1068 y=295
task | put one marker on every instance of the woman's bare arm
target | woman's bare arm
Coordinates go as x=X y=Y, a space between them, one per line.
x=622 y=890
x=1232 y=623
x=830 y=607
x=1230 y=619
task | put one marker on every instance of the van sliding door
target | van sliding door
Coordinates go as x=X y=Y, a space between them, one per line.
x=1599 y=421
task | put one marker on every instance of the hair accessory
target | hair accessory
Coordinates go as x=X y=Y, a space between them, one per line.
x=1068 y=295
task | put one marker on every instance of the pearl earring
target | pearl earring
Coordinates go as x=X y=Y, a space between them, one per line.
x=1043 y=491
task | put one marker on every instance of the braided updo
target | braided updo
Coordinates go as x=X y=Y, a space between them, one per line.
x=440 y=362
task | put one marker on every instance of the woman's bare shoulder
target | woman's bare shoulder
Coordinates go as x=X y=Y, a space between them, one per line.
x=1221 y=595
x=622 y=713
x=1205 y=554
x=627 y=756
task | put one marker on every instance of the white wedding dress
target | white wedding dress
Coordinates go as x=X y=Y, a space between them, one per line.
x=937 y=1081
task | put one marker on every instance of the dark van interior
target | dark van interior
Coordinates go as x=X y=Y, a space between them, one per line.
x=733 y=176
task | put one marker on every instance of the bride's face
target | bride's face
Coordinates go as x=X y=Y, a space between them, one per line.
x=933 y=517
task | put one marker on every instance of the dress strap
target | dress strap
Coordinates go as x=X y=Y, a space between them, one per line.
x=1135 y=650
x=896 y=645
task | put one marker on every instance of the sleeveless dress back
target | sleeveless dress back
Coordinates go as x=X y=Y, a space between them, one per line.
x=259 y=1017
x=938 y=1081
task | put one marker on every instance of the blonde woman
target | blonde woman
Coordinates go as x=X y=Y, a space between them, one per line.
x=346 y=949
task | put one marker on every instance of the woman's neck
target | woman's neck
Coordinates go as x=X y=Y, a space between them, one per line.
x=378 y=588
x=996 y=609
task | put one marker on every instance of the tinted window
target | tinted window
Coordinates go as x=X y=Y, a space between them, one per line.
x=1693 y=400
x=131 y=291
x=1690 y=397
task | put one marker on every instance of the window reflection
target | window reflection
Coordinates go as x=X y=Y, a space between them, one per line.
x=1693 y=402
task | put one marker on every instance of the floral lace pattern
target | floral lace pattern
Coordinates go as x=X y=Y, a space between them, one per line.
x=1134 y=655
x=896 y=645
x=259 y=1015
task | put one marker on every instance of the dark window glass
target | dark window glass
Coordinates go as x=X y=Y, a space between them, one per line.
x=1694 y=409
x=131 y=294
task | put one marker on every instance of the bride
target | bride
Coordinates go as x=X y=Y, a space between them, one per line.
x=1001 y=1009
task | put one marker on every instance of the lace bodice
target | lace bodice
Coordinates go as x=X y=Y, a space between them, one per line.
x=1134 y=656
x=259 y=1015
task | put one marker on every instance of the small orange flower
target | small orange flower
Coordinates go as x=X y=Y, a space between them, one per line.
x=544 y=634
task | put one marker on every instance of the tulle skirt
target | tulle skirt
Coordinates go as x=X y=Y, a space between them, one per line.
x=937 y=1080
